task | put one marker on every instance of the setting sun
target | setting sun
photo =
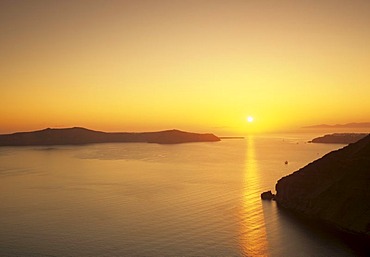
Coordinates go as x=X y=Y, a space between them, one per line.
x=164 y=128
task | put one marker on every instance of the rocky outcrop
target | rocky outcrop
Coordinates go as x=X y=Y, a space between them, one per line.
x=268 y=195
x=334 y=189
x=339 y=138
x=76 y=136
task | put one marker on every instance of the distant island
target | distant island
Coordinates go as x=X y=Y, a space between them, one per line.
x=333 y=189
x=339 y=138
x=78 y=136
x=347 y=125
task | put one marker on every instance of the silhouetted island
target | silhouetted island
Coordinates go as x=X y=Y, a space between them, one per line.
x=339 y=138
x=339 y=126
x=77 y=136
x=333 y=189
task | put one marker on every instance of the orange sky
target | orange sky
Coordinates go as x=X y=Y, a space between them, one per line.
x=193 y=65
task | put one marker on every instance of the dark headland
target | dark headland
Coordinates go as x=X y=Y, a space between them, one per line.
x=78 y=136
x=334 y=190
x=339 y=138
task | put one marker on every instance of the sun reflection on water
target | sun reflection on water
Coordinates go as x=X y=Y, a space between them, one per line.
x=253 y=233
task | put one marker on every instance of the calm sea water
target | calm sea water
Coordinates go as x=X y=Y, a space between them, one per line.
x=196 y=199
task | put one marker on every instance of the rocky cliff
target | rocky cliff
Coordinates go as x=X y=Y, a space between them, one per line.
x=76 y=136
x=334 y=189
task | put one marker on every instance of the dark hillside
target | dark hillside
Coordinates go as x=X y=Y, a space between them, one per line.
x=77 y=136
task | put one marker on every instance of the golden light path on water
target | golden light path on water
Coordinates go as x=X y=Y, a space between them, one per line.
x=253 y=232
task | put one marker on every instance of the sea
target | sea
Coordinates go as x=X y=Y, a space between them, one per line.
x=138 y=199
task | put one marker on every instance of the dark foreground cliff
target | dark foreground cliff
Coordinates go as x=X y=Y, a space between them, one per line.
x=77 y=136
x=334 y=189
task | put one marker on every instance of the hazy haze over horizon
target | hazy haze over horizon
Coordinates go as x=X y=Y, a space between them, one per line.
x=199 y=66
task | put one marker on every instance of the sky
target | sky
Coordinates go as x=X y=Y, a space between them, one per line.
x=201 y=66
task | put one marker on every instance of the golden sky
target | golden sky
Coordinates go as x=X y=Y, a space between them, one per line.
x=200 y=65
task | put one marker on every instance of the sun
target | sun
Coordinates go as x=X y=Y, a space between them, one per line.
x=250 y=119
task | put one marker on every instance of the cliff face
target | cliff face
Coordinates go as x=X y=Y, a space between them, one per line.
x=76 y=136
x=334 y=189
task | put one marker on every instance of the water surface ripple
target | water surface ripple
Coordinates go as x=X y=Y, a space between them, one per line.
x=199 y=199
